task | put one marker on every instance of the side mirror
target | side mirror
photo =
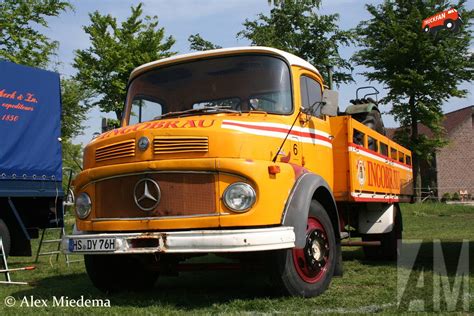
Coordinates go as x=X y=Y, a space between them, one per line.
x=331 y=102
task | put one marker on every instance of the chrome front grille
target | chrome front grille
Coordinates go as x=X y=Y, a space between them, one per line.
x=115 y=151
x=182 y=194
x=176 y=144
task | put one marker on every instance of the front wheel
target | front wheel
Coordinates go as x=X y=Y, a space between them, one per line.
x=114 y=273
x=308 y=271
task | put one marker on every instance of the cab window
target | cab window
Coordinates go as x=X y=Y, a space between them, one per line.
x=145 y=109
x=311 y=95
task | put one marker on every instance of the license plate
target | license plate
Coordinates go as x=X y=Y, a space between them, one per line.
x=91 y=244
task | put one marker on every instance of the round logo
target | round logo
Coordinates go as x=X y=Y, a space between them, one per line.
x=147 y=194
x=361 y=172
x=143 y=143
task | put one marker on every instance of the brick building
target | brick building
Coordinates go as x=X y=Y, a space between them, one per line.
x=452 y=168
x=455 y=162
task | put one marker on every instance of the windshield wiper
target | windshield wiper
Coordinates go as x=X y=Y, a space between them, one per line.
x=206 y=109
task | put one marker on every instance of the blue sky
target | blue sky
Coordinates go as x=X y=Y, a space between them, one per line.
x=216 y=20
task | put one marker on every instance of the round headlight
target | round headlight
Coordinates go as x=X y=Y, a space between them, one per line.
x=83 y=205
x=239 y=197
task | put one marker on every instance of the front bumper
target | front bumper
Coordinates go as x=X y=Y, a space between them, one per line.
x=195 y=241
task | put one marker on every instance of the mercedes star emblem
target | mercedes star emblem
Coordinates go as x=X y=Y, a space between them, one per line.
x=147 y=194
x=143 y=143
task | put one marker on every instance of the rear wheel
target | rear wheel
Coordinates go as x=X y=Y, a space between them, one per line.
x=308 y=271
x=389 y=247
x=113 y=273
x=6 y=238
x=449 y=24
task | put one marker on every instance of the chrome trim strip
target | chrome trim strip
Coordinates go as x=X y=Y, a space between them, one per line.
x=102 y=219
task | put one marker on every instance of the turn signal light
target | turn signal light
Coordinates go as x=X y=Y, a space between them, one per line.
x=273 y=169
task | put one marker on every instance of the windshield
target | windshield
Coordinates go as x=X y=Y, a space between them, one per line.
x=225 y=84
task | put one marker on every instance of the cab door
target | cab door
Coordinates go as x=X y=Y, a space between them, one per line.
x=314 y=129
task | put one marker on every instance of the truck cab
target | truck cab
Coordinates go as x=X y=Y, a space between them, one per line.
x=229 y=151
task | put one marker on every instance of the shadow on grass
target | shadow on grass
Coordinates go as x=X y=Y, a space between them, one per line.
x=194 y=291
x=424 y=255
x=189 y=291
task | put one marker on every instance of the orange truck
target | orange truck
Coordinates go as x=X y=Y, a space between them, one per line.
x=241 y=153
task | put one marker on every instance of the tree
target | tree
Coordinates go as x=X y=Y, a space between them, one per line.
x=420 y=70
x=296 y=27
x=72 y=159
x=279 y=2
x=116 y=49
x=74 y=108
x=20 y=40
x=196 y=42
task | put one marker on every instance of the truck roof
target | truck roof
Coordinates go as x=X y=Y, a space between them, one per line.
x=290 y=58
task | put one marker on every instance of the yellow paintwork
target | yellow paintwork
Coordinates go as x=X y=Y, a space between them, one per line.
x=233 y=157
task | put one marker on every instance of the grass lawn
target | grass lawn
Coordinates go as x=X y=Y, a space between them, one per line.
x=365 y=287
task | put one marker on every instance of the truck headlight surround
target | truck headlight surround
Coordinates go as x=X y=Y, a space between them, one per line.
x=239 y=197
x=83 y=205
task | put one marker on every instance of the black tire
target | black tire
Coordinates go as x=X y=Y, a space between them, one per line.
x=373 y=120
x=6 y=238
x=450 y=25
x=115 y=273
x=389 y=248
x=307 y=272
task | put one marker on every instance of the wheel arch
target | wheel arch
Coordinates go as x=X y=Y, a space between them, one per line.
x=309 y=187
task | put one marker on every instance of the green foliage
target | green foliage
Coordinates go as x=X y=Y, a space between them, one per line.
x=196 y=42
x=74 y=108
x=420 y=70
x=116 y=49
x=72 y=159
x=296 y=27
x=111 y=123
x=282 y=2
x=446 y=197
x=456 y=196
x=20 y=40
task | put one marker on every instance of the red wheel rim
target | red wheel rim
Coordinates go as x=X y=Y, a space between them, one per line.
x=312 y=261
